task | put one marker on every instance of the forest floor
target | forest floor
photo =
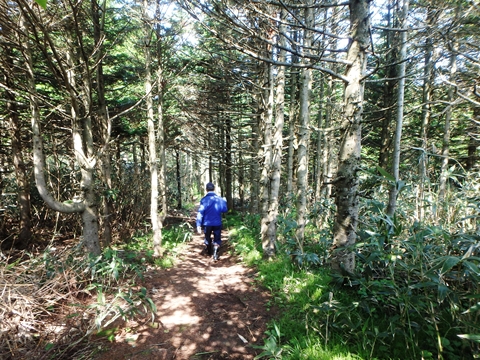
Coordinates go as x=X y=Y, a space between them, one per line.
x=205 y=310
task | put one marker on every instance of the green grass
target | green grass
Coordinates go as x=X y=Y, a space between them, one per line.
x=297 y=296
x=174 y=239
x=417 y=299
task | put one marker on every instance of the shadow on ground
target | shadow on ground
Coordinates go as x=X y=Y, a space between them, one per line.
x=205 y=310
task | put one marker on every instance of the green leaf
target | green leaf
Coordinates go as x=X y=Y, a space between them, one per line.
x=107 y=332
x=426 y=354
x=473 y=337
x=400 y=185
x=153 y=307
x=473 y=308
x=385 y=174
x=449 y=263
x=42 y=3
x=471 y=266
x=443 y=291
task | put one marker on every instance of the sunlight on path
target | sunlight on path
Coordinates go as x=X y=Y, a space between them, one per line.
x=205 y=310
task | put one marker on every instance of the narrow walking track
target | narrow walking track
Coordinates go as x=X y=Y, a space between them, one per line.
x=205 y=310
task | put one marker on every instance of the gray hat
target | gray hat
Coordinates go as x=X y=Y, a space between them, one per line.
x=210 y=186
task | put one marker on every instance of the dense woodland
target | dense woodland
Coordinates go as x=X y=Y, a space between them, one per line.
x=351 y=130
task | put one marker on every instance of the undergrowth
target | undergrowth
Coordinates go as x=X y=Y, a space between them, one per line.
x=60 y=297
x=414 y=295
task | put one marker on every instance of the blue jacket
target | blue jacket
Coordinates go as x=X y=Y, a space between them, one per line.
x=210 y=211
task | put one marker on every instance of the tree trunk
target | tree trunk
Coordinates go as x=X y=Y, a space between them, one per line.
x=228 y=163
x=98 y=14
x=22 y=239
x=161 y=83
x=329 y=142
x=442 y=186
x=162 y=171
x=257 y=150
x=152 y=147
x=347 y=178
x=331 y=114
x=388 y=92
x=267 y=159
x=81 y=129
x=426 y=112
x=392 y=200
x=473 y=140
x=320 y=149
x=178 y=177
x=241 y=173
x=270 y=238
x=304 y=134
x=292 y=123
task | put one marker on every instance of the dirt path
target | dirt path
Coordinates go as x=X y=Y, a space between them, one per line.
x=205 y=310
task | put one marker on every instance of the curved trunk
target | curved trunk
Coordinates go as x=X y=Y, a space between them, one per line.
x=86 y=204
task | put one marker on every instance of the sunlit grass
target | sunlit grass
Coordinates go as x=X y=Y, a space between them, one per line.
x=297 y=331
x=312 y=348
x=244 y=240
x=174 y=240
x=414 y=293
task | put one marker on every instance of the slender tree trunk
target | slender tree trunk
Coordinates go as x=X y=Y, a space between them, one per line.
x=257 y=150
x=178 y=178
x=152 y=148
x=162 y=171
x=210 y=165
x=388 y=92
x=426 y=113
x=473 y=140
x=228 y=162
x=269 y=241
x=319 y=156
x=328 y=142
x=347 y=178
x=321 y=136
x=22 y=239
x=292 y=123
x=332 y=113
x=392 y=200
x=442 y=186
x=98 y=14
x=304 y=134
x=241 y=172
x=267 y=158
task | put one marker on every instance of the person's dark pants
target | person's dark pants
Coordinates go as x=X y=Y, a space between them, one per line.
x=217 y=235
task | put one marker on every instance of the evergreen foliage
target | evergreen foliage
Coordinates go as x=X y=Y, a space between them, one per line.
x=413 y=292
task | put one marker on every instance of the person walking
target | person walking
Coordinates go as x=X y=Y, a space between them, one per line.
x=209 y=217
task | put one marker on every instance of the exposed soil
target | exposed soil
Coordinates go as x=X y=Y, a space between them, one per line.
x=205 y=310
